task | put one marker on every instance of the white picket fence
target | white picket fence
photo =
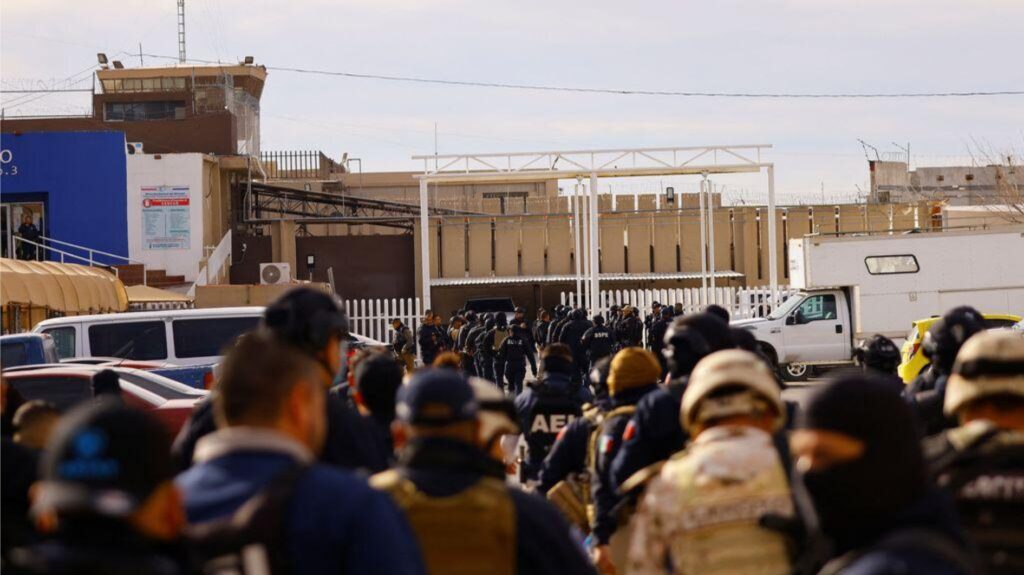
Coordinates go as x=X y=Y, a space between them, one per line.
x=742 y=302
x=372 y=317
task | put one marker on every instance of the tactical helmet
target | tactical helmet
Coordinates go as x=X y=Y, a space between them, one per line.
x=521 y=309
x=598 y=320
x=878 y=353
x=500 y=320
x=947 y=335
x=728 y=369
x=599 y=373
x=667 y=311
x=306 y=318
x=990 y=363
x=692 y=337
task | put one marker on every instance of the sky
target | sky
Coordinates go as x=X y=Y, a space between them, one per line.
x=806 y=46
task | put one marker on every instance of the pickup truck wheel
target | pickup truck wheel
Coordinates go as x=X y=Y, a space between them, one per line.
x=795 y=371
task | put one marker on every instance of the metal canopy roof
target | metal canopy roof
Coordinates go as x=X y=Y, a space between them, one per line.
x=518 y=280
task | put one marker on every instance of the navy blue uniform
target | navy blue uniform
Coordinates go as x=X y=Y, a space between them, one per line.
x=427 y=339
x=653 y=434
x=514 y=352
x=493 y=341
x=598 y=342
x=603 y=489
x=629 y=331
x=568 y=455
x=544 y=409
x=444 y=468
x=572 y=336
x=484 y=353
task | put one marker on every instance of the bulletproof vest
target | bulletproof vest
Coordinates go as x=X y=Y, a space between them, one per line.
x=983 y=468
x=471 y=532
x=500 y=335
x=252 y=541
x=594 y=445
x=515 y=349
x=600 y=342
x=550 y=413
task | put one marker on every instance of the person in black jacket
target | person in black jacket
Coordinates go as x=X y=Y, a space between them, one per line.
x=597 y=342
x=428 y=339
x=656 y=339
x=314 y=323
x=540 y=328
x=484 y=354
x=572 y=336
x=492 y=341
x=629 y=330
x=513 y=353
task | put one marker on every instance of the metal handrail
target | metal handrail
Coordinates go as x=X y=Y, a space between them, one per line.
x=90 y=259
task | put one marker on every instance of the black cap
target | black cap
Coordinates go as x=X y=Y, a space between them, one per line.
x=436 y=397
x=104 y=459
x=719 y=311
x=306 y=318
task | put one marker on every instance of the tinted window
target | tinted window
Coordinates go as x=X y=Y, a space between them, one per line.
x=881 y=265
x=64 y=338
x=136 y=340
x=13 y=354
x=817 y=308
x=209 y=337
x=993 y=323
x=62 y=391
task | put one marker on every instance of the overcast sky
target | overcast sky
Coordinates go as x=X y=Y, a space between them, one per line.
x=821 y=46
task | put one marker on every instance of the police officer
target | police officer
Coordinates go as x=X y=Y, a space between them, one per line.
x=880 y=357
x=656 y=340
x=634 y=373
x=556 y=336
x=404 y=345
x=654 y=432
x=513 y=353
x=492 y=341
x=540 y=328
x=315 y=324
x=467 y=343
x=649 y=321
x=427 y=339
x=484 y=353
x=549 y=404
x=455 y=498
x=858 y=454
x=597 y=342
x=106 y=508
x=456 y=325
x=702 y=512
x=941 y=344
x=629 y=331
x=520 y=318
x=572 y=336
x=979 y=460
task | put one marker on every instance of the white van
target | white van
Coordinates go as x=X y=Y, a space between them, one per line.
x=180 y=337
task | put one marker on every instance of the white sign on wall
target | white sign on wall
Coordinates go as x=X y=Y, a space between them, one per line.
x=165 y=218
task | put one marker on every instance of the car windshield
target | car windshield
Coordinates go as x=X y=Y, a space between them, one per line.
x=787 y=306
x=490 y=304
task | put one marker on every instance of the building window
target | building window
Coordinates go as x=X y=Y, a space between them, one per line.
x=940 y=178
x=141 y=111
x=884 y=265
x=969 y=177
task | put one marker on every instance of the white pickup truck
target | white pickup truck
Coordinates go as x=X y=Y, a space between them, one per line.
x=852 y=287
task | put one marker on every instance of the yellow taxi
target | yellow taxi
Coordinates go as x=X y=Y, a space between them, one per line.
x=914 y=360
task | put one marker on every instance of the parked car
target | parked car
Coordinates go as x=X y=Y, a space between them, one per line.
x=854 y=287
x=914 y=360
x=68 y=385
x=26 y=349
x=177 y=337
x=481 y=305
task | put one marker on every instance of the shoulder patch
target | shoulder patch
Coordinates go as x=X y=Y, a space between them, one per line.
x=630 y=431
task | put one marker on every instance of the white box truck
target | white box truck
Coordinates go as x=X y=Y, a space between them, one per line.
x=852 y=287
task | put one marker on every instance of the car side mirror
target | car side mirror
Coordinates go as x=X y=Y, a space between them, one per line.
x=790 y=320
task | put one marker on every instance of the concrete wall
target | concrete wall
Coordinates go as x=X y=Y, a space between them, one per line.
x=176 y=170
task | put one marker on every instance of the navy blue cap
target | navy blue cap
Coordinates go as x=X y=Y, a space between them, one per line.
x=436 y=397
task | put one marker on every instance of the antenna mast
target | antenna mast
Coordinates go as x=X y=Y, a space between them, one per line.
x=181 y=31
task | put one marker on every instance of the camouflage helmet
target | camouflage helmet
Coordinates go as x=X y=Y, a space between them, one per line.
x=990 y=363
x=727 y=369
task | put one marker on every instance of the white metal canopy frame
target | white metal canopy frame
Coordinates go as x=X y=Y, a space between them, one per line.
x=594 y=164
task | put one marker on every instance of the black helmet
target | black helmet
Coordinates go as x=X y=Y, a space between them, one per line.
x=691 y=338
x=500 y=320
x=878 y=353
x=306 y=318
x=943 y=340
x=577 y=314
x=598 y=320
x=667 y=311
x=489 y=323
x=471 y=316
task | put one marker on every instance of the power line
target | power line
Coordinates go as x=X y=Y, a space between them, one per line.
x=625 y=92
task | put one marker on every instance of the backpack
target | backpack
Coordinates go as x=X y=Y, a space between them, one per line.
x=252 y=540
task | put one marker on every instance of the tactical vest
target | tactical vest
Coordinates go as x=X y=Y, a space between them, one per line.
x=593 y=444
x=468 y=533
x=499 y=337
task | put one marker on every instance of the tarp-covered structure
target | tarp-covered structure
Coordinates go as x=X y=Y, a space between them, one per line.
x=31 y=291
x=146 y=298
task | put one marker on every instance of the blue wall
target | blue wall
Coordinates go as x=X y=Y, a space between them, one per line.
x=82 y=177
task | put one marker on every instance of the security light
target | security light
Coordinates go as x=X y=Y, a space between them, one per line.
x=118 y=65
x=248 y=60
x=102 y=58
x=670 y=195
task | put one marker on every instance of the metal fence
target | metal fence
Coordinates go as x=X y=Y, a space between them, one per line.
x=372 y=317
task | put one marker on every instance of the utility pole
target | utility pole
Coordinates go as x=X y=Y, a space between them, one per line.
x=181 y=31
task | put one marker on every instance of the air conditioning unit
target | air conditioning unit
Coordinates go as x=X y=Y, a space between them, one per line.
x=275 y=273
x=134 y=148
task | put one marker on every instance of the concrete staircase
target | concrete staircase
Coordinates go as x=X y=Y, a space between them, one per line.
x=132 y=274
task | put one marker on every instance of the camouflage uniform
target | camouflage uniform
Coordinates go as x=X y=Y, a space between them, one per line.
x=700 y=515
